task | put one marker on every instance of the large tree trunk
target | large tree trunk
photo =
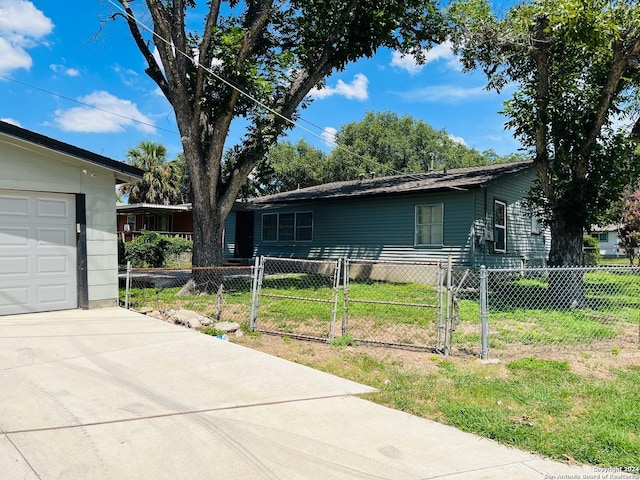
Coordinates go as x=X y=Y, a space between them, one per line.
x=208 y=242
x=207 y=237
x=566 y=289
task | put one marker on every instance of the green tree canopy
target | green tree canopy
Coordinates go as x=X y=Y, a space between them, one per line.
x=274 y=52
x=574 y=64
x=629 y=230
x=381 y=143
x=160 y=183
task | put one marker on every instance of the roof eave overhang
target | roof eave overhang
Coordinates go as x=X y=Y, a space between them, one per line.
x=123 y=173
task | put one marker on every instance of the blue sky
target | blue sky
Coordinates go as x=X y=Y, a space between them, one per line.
x=71 y=74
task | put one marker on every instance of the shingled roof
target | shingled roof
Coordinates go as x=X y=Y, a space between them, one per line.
x=460 y=179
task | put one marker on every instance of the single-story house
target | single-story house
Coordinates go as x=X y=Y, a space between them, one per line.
x=58 y=244
x=476 y=215
x=608 y=237
x=172 y=220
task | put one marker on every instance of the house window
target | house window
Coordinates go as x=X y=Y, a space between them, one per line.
x=536 y=225
x=429 y=220
x=287 y=227
x=130 y=226
x=149 y=222
x=500 y=226
x=603 y=237
x=165 y=223
x=304 y=226
x=270 y=227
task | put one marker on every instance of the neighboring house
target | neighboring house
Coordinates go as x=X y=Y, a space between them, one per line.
x=58 y=246
x=608 y=240
x=177 y=221
x=475 y=215
x=172 y=220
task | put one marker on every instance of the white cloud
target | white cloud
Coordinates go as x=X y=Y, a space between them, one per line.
x=71 y=72
x=103 y=113
x=329 y=136
x=443 y=94
x=11 y=121
x=357 y=89
x=13 y=57
x=459 y=140
x=442 y=52
x=22 y=26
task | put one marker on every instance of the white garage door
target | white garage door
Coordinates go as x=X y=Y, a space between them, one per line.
x=37 y=252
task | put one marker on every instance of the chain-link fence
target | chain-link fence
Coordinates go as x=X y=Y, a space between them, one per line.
x=391 y=303
x=537 y=312
x=217 y=293
x=541 y=311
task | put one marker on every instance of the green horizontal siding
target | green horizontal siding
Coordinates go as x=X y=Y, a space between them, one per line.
x=384 y=228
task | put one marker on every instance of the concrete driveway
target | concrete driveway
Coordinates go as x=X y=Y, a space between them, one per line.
x=112 y=394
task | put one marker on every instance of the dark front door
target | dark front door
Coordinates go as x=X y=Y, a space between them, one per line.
x=244 y=235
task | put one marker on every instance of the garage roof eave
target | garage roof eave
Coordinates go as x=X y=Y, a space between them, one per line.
x=124 y=173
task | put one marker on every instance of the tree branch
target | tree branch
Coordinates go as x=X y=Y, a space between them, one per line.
x=539 y=51
x=622 y=58
x=153 y=70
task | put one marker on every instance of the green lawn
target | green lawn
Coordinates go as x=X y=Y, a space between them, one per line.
x=536 y=405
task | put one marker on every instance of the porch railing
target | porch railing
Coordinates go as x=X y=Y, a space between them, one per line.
x=128 y=236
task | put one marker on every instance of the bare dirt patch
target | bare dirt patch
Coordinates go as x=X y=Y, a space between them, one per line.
x=598 y=359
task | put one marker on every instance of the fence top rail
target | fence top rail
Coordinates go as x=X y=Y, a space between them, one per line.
x=393 y=262
x=619 y=268
x=298 y=260
x=189 y=269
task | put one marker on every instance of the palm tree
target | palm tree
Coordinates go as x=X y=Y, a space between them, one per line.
x=160 y=184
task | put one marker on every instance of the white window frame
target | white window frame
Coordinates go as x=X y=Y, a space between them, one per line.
x=418 y=226
x=601 y=235
x=499 y=227
x=536 y=225
x=297 y=230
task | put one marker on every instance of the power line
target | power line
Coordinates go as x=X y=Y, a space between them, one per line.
x=85 y=104
x=227 y=82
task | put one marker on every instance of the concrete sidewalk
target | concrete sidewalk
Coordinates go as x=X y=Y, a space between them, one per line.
x=112 y=394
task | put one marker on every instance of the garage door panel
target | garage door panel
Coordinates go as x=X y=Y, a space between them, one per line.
x=14 y=236
x=53 y=236
x=37 y=252
x=14 y=265
x=53 y=264
x=11 y=297
x=51 y=295
x=48 y=209
x=14 y=206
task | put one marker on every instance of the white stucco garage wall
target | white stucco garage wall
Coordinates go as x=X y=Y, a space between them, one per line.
x=26 y=166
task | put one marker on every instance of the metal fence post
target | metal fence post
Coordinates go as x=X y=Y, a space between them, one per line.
x=345 y=297
x=255 y=285
x=127 y=287
x=439 y=338
x=448 y=322
x=484 y=312
x=336 y=286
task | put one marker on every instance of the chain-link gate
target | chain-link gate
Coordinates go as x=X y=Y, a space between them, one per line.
x=390 y=303
x=394 y=303
x=298 y=298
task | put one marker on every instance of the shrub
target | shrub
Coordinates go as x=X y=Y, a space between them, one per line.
x=591 y=248
x=152 y=249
